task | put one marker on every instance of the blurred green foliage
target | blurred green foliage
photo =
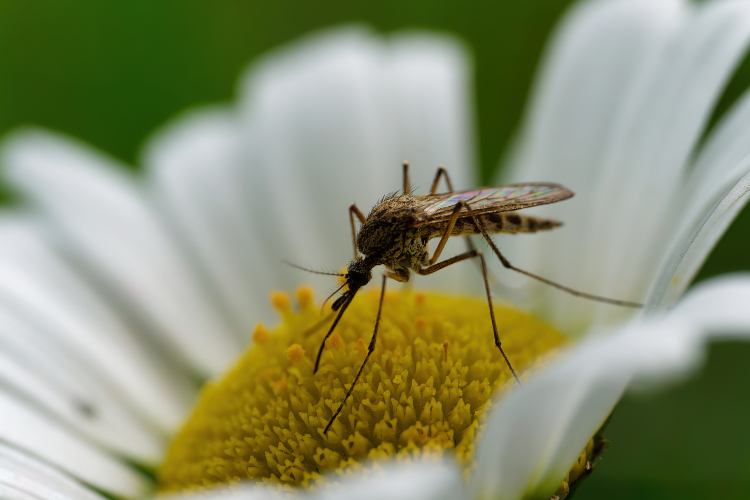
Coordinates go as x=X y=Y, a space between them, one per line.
x=111 y=72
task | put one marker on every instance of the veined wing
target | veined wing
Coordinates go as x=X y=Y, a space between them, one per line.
x=483 y=200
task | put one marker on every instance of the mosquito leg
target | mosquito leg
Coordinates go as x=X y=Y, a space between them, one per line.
x=571 y=291
x=469 y=255
x=330 y=331
x=407 y=184
x=353 y=210
x=441 y=171
x=447 y=234
x=370 y=349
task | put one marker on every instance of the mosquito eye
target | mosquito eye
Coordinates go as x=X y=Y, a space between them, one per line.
x=358 y=279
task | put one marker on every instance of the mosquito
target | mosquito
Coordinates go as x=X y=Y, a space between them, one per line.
x=396 y=232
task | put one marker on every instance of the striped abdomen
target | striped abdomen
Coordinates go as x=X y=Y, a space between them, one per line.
x=501 y=222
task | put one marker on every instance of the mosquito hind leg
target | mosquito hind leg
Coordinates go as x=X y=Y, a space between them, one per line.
x=370 y=349
x=551 y=283
x=469 y=255
x=451 y=223
x=407 y=184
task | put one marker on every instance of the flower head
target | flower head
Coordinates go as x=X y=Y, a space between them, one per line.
x=118 y=292
x=426 y=393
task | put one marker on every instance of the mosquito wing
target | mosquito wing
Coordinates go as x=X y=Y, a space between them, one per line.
x=437 y=207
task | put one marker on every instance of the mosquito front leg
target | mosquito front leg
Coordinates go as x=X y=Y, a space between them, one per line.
x=407 y=184
x=442 y=172
x=447 y=234
x=330 y=330
x=370 y=349
x=469 y=255
x=353 y=210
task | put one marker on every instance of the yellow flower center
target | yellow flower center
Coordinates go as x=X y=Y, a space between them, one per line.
x=424 y=391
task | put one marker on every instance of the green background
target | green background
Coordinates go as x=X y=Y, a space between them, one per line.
x=111 y=72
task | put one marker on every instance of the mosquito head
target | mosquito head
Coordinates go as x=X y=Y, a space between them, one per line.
x=358 y=274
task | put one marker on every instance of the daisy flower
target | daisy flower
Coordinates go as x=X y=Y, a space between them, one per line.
x=119 y=292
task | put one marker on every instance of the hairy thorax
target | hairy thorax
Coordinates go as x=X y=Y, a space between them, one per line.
x=387 y=237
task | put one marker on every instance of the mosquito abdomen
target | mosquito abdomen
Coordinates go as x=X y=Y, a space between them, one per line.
x=504 y=222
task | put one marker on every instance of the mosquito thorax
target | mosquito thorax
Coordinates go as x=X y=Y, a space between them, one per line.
x=387 y=225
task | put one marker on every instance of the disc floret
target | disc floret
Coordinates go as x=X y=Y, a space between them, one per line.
x=424 y=392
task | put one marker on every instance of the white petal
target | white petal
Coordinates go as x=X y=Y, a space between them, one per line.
x=428 y=79
x=70 y=394
x=725 y=148
x=433 y=480
x=63 y=310
x=110 y=227
x=28 y=430
x=713 y=197
x=654 y=146
x=718 y=306
x=597 y=57
x=686 y=258
x=633 y=157
x=196 y=168
x=537 y=433
x=36 y=479
x=421 y=480
x=323 y=130
x=12 y=493
x=109 y=425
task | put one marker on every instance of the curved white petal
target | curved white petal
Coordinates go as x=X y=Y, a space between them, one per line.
x=108 y=226
x=324 y=126
x=597 y=57
x=685 y=259
x=63 y=310
x=110 y=426
x=536 y=434
x=76 y=397
x=718 y=307
x=433 y=480
x=632 y=153
x=429 y=79
x=196 y=169
x=420 y=480
x=35 y=479
x=712 y=198
x=662 y=133
x=27 y=429
x=12 y=493
x=724 y=151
